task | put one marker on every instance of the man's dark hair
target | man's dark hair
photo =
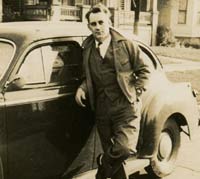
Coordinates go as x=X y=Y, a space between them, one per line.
x=98 y=8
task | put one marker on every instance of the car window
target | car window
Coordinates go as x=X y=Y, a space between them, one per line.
x=32 y=68
x=55 y=63
x=6 y=53
x=65 y=65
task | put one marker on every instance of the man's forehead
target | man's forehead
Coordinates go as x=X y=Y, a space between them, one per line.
x=97 y=16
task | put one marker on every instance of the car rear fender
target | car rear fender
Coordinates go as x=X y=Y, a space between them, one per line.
x=176 y=102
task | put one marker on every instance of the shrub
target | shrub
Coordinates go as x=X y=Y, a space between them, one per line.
x=190 y=42
x=195 y=43
x=165 y=36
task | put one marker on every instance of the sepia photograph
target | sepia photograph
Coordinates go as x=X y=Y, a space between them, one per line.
x=99 y=89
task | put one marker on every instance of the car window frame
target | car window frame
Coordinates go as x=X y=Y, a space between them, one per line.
x=12 y=56
x=41 y=60
x=147 y=50
x=38 y=44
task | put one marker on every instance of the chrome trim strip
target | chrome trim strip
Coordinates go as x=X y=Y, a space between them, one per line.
x=36 y=99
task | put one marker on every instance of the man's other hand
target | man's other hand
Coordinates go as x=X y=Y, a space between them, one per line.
x=80 y=97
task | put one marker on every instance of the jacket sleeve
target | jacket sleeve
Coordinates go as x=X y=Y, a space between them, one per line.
x=83 y=77
x=141 y=69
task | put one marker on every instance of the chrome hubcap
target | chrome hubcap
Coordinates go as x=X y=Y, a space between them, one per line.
x=165 y=146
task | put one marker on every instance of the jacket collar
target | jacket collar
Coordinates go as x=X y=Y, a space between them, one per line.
x=116 y=36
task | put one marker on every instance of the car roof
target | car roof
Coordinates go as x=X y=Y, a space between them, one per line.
x=33 y=31
x=29 y=31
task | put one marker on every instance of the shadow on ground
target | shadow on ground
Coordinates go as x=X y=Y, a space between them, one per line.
x=139 y=175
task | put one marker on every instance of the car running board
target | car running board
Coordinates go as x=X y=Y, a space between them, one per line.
x=132 y=165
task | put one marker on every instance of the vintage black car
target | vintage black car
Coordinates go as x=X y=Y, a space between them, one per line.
x=44 y=134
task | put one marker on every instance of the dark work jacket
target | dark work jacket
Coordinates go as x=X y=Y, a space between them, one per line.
x=131 y=70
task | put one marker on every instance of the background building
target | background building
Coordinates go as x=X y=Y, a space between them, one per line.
x=181 y=16
x=74 y=10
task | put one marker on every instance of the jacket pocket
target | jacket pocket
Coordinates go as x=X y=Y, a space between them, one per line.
x=125 y=80
x=125 y=64
x=124 y=61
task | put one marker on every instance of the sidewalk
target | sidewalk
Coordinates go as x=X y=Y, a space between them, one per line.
x=176 y=64
x=191 y=54
x=188 y=164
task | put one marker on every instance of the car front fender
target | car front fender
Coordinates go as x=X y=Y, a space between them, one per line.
x=169 y=100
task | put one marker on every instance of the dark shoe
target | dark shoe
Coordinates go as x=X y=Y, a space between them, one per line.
x=107 y=166
x=105 y=170
x=120 y=173
x=100 y=173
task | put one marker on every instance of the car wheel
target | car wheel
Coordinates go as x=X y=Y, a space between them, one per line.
x=163 y=162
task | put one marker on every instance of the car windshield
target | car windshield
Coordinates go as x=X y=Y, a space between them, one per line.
x=6 y=53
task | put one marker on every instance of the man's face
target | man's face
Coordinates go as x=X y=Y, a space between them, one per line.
x=99 y=24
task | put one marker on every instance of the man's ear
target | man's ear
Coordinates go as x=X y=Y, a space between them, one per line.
x=109 y=22
x=89 y=26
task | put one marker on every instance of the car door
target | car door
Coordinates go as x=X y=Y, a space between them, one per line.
x=46 y=128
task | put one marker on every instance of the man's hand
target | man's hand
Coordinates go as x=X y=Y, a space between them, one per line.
x=80 y=96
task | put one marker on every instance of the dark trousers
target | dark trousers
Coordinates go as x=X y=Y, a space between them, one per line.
x=118 y=127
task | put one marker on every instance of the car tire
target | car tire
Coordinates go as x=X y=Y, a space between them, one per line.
x=164 y=159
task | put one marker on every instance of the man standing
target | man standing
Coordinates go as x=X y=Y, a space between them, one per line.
x=114 y=77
